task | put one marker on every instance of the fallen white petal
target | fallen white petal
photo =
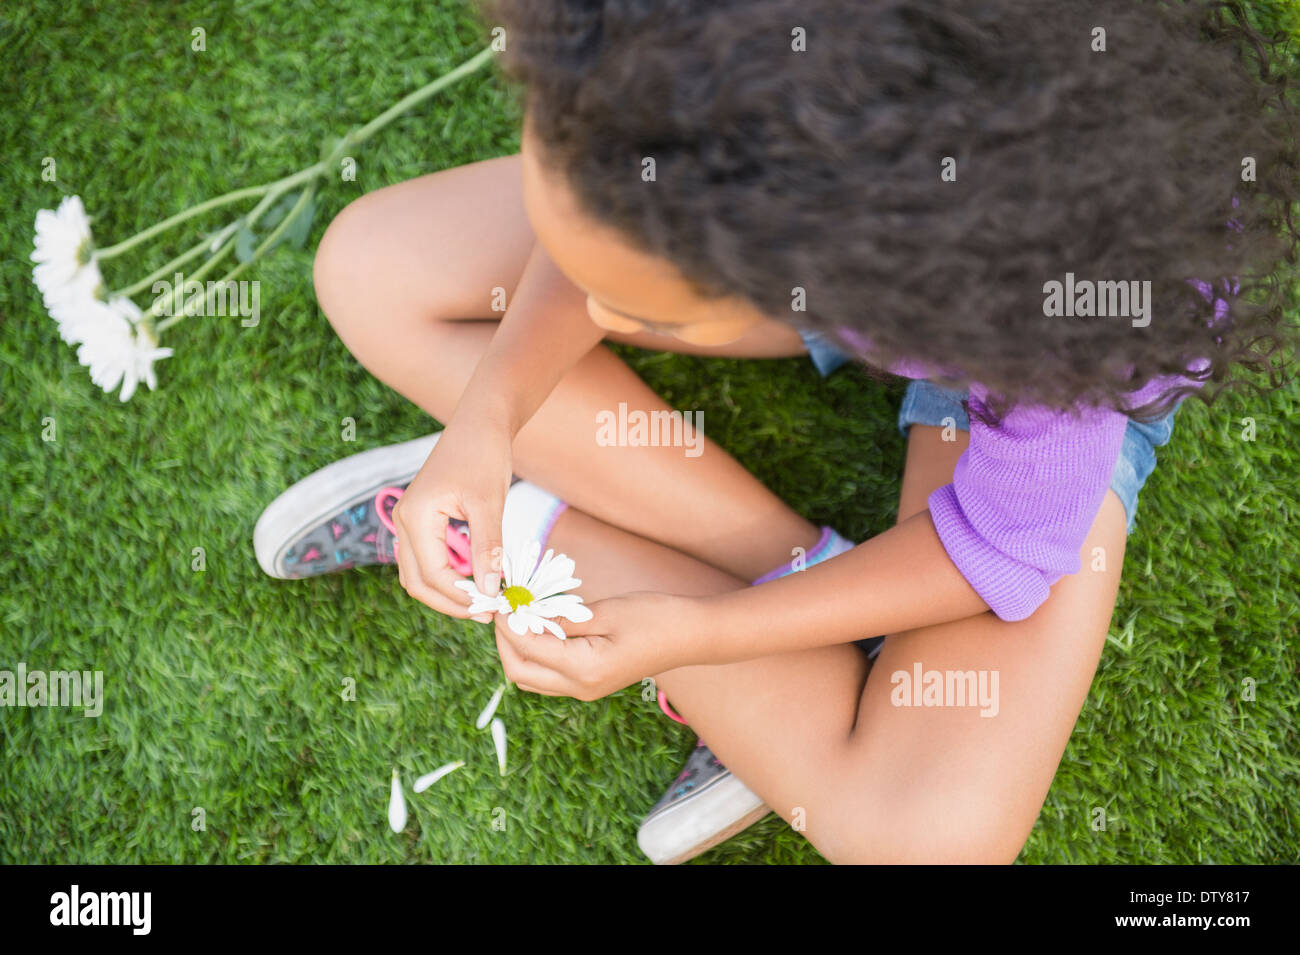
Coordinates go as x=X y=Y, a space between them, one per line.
x=499 y=738
x=428 y=779
x=490 y=709
x=396 y=806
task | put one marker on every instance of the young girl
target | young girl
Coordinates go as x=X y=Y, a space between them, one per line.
x=1058 y=219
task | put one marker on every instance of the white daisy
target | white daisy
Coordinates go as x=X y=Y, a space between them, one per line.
x=118 y=347
x=533 y=591
x=74 y=306
x=63 y=246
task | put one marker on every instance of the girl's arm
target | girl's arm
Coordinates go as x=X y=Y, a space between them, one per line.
x=544 y=333
x=1011 y=523
x=896 y=581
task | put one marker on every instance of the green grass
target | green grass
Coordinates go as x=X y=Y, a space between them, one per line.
x=224 y=688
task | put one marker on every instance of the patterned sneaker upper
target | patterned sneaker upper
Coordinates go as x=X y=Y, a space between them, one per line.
x=701 y=771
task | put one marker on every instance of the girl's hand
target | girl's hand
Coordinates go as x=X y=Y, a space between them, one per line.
x=629 y=638
x=466 y=477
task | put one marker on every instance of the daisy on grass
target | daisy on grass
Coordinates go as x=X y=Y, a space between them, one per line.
x=533 y=591
x=116 y=343
x=66 y=272
x=118 y=347
x=75 y=306
x=62 y=255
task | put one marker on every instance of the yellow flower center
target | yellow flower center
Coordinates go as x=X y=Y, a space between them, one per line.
x=517 y=596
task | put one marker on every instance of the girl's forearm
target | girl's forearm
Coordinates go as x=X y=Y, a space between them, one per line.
x=545 y=332
x=899 y=580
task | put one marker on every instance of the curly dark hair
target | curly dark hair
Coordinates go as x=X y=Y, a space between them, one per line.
x=820 y=169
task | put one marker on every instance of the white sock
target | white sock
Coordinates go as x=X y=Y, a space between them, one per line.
x=529 y=515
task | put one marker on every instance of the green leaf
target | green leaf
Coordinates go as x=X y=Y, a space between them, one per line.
x=278 y=211
x=245 y=242
x=297 y=233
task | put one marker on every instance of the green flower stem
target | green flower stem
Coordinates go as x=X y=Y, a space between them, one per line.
x=275 y=234
x=269 y=193
x=177 y=293
x=288 y=182
x=148 y=280
x=382 y=120
x=249 y=220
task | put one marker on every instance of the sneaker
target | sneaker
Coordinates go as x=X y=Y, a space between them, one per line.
x=340 y=516
x=705 y=805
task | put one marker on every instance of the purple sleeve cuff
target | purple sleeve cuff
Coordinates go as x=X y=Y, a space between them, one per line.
x=1023 y=497
x=1012 y=589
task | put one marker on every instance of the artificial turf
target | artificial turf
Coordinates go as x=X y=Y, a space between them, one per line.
x=225 y=690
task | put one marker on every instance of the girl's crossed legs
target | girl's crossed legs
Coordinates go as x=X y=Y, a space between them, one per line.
x=403 y=272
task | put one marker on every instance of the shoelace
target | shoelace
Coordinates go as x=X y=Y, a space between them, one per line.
x=663 y=705
x=458 y=549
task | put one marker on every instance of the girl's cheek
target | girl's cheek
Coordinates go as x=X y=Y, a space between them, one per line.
x=611 y=323
x=714 y=333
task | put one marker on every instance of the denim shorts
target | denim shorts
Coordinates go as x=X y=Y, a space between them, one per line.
x=927 y=403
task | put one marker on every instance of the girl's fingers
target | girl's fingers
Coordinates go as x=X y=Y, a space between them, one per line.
x=526 y=674
x=543 y=649
x=426 y=539
x=413 y=581
x=485 y=541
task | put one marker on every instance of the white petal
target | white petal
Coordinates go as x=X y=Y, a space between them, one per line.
x=537 y=566
x=558 y=586
x=61 y=240
x=554 y=627
x=428 y=779
x=481 y=604
x=489 y=605
x=75 y=309
x=490 y=709
x=507 y=569
x=499 y=740
x=523 y=558
x=554 y=574
x=396 y=806
x=469 y=588
x=569 y=606
x=553 y=568
x=532 y=622
x=524 y=621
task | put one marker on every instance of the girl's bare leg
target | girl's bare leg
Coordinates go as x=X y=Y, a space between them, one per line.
x=810 y=731
x=815 y=733
x=877 y=782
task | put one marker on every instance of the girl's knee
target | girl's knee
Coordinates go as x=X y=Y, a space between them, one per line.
x=340 y=258
x=919 y=828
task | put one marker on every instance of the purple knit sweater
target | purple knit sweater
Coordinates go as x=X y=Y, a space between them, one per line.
x=1024 y=494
